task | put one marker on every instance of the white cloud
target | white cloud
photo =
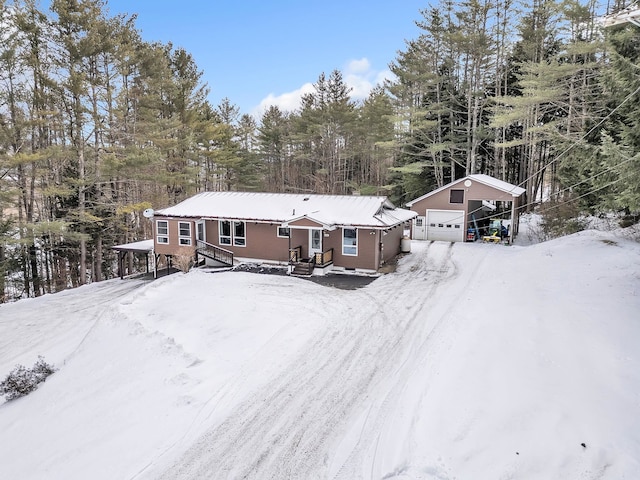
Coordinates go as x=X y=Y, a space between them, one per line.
x=358 y=75
x=359 y=66
x=287 y=102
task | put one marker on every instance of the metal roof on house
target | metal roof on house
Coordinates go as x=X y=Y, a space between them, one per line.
x=352 y=210
x=488 y=180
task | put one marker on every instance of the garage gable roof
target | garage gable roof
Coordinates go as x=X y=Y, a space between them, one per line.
x=488 y=180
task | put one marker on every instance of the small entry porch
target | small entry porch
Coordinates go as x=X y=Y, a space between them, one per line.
x=307 y=253
x=318 y=263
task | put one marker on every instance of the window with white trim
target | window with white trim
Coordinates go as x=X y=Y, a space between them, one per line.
x=349 y=241
x=162 y=231
x=239 y=234
x=456 y=196
x=184 y=233
x=225 y=232
x=284 y=232
x=232 y=233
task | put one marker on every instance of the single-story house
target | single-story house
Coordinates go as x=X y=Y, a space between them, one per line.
x=313 y=233
x=449 y=212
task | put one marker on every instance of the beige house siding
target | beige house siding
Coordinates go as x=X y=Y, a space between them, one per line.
x=262 y=242
x=390 y=243
x=173 y=247
x=305 y=222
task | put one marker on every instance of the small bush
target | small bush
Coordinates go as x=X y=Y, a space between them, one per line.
x=559 y=219
x=183 y=262
x=22 y=381
x=629 y=220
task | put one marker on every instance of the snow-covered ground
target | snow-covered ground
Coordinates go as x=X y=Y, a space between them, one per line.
x=471 y=361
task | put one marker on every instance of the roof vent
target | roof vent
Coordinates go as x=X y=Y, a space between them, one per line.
x=305 y=199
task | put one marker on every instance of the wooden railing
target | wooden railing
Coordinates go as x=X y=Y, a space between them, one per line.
x=295 y=254
x=214 y=252
x=304 y=266
x=324 y=258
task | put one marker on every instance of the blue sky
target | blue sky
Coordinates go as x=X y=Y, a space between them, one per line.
x=258 y=53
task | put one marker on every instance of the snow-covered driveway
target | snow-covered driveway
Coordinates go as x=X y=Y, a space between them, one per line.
x=337 y=393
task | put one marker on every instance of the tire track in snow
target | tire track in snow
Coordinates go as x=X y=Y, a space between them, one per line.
x=286 y=429
x=362 y=460
x=417 y=329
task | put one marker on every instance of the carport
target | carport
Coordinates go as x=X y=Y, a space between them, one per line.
x=144 y=246
x=447 y=213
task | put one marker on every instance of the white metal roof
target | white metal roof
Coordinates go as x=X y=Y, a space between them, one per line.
x=141 y=246
x=356 y=210
x=499 y=184
x=488 y=180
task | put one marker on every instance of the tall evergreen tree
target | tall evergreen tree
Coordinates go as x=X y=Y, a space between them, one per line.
x=273 y=142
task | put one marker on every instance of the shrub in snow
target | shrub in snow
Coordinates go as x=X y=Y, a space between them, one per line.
x=22 y=381
x=558 y=218
x=183 y=262
x=629 y=220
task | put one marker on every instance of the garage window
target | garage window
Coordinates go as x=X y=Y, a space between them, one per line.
x=456 y=196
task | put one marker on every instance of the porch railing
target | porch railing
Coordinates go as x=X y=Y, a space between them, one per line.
x=324 y=258
x=295 y=254
x=214 y=252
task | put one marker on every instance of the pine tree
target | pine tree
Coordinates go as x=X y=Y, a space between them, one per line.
x=620 y=148
x=273 y=141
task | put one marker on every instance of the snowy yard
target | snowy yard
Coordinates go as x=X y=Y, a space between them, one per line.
x=471 y=361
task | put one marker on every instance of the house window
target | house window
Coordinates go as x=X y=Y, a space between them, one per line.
x=283 y=232
x=225 y=232
x=232 y=233
x=162 y=231
x=184 y=233
x=239 y=238
x=418 y=222
x=349 y=241
x=456 y=196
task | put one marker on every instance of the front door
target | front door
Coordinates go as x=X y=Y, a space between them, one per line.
x=200 y=231
x=315 y=241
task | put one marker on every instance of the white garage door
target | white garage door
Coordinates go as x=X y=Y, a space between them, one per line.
x=445 y=225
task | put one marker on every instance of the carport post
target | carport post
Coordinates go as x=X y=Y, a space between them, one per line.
x=120 y=273
x=513 y=219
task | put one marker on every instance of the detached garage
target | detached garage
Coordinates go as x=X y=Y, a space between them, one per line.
x=446 y=214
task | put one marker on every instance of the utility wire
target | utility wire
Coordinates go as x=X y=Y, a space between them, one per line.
x=568 y=149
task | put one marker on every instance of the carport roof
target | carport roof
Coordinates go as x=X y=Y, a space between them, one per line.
x=141 y=246
x=488 y=180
